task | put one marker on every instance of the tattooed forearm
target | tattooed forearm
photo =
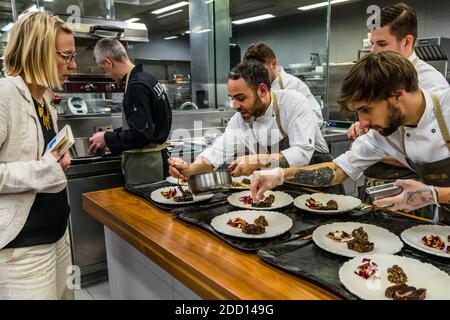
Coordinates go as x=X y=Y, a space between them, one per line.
x=321 y=177
x=283 y=163
x=419 y=197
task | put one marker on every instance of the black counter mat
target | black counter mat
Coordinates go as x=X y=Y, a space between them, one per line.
x=304 y=222
x=304 y=258
x=145 y=191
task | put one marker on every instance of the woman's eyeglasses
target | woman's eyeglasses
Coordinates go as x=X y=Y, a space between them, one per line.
x=68 y=57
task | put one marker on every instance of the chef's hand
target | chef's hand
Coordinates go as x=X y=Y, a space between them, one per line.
x=178 y=168
x=356 y=130
x=246 y=165
x=265 y=180
x=97 y=142
x=64 y=160
x=415 y=195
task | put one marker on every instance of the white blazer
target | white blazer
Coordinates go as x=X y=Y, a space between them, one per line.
x=23 y=171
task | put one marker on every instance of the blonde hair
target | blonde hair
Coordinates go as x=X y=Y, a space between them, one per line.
x=31 y=49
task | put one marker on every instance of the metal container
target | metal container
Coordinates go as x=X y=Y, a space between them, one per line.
x=210 y=182
x=80 y=149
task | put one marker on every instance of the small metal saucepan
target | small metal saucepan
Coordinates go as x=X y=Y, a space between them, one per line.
x=80 y=149
x=210 y=182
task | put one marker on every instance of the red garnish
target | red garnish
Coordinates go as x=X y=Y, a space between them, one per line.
x=433 y=242
x=246 y=199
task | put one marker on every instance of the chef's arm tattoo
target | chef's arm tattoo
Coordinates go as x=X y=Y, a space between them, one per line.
x=319 y=175
x=282 y=162
x=419 y=197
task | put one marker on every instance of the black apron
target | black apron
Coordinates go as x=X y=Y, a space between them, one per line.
x=435 y=173
x=145 y=165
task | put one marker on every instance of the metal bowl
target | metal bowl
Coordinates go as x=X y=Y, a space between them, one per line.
x=210 y=182
x=80 y=149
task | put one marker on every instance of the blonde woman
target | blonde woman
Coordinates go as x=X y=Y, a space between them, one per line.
x=34 y=243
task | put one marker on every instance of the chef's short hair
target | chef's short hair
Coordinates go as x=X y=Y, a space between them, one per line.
x=376 y=77
x=401 y=19
x=253 y=72
x=260 y=52
x=110 y=48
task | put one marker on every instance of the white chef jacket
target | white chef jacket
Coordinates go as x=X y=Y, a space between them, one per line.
x=294 y=83
x=423 y=143
x=429 y=78
x=297 y=120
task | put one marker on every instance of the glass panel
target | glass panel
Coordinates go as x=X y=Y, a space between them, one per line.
x=180 y=52
x=298 y=38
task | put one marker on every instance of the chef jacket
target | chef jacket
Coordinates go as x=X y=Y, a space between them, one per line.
x=297 y=120
x=291 y=82
x=147 y=112
x=423 y=143
x=429 y=78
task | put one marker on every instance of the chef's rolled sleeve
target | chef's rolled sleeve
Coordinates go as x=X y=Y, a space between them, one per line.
x=363 y=154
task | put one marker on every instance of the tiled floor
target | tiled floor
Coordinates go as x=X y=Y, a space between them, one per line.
x=95 y=291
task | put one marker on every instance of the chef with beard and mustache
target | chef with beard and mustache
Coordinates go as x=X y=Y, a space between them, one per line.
x=269 y=129
x=409 y=124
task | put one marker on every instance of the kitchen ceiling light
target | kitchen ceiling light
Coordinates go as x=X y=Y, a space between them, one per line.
x=320 y=4
x=170 y=38
x=132 y=20
x=253 y=19
x=202 y=31
x=171 y=7
x=187 y=32
x=169 y=14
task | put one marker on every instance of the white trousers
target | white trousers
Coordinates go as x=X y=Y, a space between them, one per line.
x=36 y=272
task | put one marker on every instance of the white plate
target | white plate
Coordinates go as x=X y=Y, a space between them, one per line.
x=282 y=199
x=345 y=203
x=384 y=241
x=413 y=237
x=420 y=275
x=278 y=223
x=239 y=179
x=157 y=197
x=174 y=180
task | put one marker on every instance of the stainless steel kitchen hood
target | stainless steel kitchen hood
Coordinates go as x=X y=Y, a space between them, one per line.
x=435 y=51
x=96 y=28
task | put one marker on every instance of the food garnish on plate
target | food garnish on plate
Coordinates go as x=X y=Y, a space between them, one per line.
x=169 y=194
x=317 y=205
x=266 y=203
x=433 y=242
x=340 y=236
x=368 y=269
x=245 y=183
x=360 y=242
x=257 y=227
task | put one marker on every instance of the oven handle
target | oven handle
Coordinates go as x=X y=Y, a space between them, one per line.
x=96 y=28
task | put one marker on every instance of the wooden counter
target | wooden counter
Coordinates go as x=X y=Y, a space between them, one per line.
x=205 y=264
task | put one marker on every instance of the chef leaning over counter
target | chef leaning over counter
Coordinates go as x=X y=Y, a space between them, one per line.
x=409 y=124
x=279 y=78
x=273 y=126
x=146 y=117
x=398 y=33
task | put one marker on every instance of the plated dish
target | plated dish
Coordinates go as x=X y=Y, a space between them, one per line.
x=390 y=277
x=432 y=239
x=326 y=203
x=351 y=239
x=252 y=224
x=273 y=200
x=172 y=195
